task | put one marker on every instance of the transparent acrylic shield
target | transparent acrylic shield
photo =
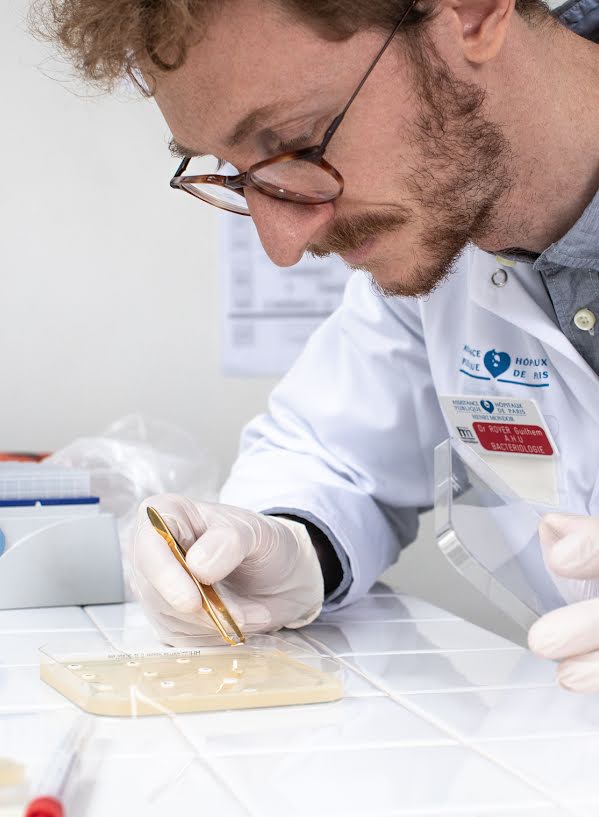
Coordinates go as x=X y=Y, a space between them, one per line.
x=265 y=671
x=490 y=535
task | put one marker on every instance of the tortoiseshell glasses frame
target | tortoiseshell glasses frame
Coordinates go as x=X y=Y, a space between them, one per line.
x=269 y=176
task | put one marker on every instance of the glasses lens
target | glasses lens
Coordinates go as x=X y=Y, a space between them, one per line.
x=297 y=180
x=213 y=193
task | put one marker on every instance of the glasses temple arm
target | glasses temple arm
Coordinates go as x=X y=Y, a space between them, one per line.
x=339 y=118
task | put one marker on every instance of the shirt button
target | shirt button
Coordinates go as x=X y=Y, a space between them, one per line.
x=585 y=320
x=499 y=277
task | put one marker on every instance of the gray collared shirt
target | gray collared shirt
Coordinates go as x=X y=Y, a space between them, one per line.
x=570 y=270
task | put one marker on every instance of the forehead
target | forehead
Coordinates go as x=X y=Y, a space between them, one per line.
x=252 y=55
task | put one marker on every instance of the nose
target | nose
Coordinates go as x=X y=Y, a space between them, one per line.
x=285 y=229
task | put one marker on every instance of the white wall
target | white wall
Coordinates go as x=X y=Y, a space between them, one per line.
x=110 y=285
x=109 y=277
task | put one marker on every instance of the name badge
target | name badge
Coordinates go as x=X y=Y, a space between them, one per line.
x=512 y=437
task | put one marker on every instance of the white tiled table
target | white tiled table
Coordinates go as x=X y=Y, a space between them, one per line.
x=440 y=718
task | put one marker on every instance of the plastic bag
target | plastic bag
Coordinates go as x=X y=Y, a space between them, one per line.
x=136 y=457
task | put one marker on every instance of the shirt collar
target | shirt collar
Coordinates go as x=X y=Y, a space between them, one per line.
x=579 y=247
x=581 y=16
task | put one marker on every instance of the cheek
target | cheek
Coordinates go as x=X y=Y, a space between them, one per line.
x=375 y=160
x=372 y=177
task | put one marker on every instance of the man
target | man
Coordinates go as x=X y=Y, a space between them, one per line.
x=413 y=140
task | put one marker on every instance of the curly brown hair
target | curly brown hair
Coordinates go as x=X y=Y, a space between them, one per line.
x=107 y=40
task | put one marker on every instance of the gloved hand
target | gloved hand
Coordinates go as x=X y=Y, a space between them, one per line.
x=570 y=634
x=265 y=568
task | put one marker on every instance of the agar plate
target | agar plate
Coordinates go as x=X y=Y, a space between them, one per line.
x=266 y=671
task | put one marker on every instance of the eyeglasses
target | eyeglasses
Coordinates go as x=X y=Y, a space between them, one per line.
x=300 y=176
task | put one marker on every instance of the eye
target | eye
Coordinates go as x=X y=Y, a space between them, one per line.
x=289 y=145
x=273 y=143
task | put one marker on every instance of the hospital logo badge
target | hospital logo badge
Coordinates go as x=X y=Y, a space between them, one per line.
x=496 y=363
x=501 y=367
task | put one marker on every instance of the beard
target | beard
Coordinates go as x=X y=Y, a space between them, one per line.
x=456 y=187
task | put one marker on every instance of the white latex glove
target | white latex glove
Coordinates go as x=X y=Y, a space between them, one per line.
x=265 y=568
x=570 y=634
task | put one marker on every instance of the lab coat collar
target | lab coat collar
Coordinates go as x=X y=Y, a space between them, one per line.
x=534 y=315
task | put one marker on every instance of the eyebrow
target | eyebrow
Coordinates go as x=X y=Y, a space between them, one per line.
x=250 y=123
x=244 y=128
x=179 y=151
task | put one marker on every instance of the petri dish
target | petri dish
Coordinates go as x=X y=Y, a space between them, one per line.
x=265 y=671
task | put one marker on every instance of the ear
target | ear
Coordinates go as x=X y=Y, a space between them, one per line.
x=483 y=25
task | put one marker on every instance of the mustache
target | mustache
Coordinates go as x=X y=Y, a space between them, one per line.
x=350 y=233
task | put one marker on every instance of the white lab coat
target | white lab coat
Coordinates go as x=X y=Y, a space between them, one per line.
x=348 y=441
